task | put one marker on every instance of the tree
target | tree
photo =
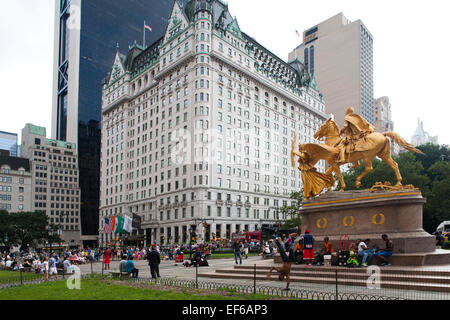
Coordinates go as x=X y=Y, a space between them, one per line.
x=437 y=208
x=432 y=154
x=429 y=172
x=26 y=229
x=292 y=211
x=7 y=235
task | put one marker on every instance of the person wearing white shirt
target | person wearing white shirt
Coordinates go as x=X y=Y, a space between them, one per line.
x=365 y=252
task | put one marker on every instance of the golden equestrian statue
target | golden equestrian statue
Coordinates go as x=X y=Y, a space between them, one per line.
x=360 y=142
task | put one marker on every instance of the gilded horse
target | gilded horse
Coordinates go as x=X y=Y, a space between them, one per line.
x=373 y=145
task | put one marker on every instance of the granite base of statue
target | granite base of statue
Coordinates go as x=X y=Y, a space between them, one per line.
x=367 y=214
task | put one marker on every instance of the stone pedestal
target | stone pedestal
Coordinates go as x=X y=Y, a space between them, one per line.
x=368 y=215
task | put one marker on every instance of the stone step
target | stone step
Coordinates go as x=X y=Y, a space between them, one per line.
x=403 y=285
x=384 y=270
x=346 y=275
x=437 y=257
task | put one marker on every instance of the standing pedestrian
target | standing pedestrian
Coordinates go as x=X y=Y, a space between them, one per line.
x=106 y=260
x=246 y=245
x=52 y=266
x=237 y=251
x=153 y=261
x=44 y=268
x=308 y=251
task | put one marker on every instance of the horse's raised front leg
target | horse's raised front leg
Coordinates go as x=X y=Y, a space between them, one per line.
x=368 y=168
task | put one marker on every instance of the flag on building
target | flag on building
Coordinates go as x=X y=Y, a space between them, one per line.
x=113 y=224
x=107 y=226
x=136 y=221
x=127 y=224
x=119 y=225
x=148 y=27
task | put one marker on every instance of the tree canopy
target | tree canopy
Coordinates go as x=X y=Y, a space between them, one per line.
x=26 y=229
x=429 y=172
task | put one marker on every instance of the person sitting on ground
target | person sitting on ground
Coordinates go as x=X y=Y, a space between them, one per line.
x=352 y=261
x=365 y=252
x=197 y=257
x=285 y=270
x=327 y=249
x=130 y=268
x=387 y=252
x=265 y=252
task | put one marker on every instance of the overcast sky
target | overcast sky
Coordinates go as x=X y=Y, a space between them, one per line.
x=411 y=53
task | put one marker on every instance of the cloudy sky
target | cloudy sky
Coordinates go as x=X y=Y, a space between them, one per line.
x=411 y=53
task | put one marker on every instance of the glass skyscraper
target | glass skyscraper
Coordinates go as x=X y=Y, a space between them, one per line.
x=8 y=141
x=86 y=35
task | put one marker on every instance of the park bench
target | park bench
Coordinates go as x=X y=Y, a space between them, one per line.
x=120 y=275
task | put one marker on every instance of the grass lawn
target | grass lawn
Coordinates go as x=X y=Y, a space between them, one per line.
x=14 y=276
x=216 y=255
x=95 y=289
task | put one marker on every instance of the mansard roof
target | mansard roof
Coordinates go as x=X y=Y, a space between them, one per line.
x=293 y=74
x=15 y=163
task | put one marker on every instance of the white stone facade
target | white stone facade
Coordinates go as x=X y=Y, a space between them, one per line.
x=200 y=135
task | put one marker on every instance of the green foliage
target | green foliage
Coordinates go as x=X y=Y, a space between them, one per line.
x=430 y=173
x=292 y=212
x=26 y=229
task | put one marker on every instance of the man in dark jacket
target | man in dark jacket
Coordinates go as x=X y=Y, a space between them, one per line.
x=153 y=261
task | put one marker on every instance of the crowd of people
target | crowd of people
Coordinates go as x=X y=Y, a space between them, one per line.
x=293 y=249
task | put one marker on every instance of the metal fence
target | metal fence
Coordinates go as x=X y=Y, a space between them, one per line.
x=313 y=284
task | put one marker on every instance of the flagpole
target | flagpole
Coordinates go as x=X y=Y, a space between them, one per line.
x=143 y=45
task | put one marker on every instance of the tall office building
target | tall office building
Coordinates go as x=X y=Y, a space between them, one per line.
x=339 y=54
x=55 y=181
x=197 y=129
x=86 y=35
x=8 y=142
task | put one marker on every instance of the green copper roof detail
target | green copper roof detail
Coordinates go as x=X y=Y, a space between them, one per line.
x=61 y=144
x=36 y=130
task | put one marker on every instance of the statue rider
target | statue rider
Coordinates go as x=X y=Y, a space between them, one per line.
x=355 y=128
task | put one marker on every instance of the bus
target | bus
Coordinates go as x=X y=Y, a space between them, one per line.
x=248 y=236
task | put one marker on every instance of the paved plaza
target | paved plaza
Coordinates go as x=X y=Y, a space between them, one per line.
x=172 y=270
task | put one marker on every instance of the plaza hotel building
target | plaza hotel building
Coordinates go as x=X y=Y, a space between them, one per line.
x=197 y=130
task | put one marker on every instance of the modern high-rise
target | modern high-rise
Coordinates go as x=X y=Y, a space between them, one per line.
x=339 y=54
x=8 y=141
x=197 y=129
x=86 y=35
x=55 y=181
